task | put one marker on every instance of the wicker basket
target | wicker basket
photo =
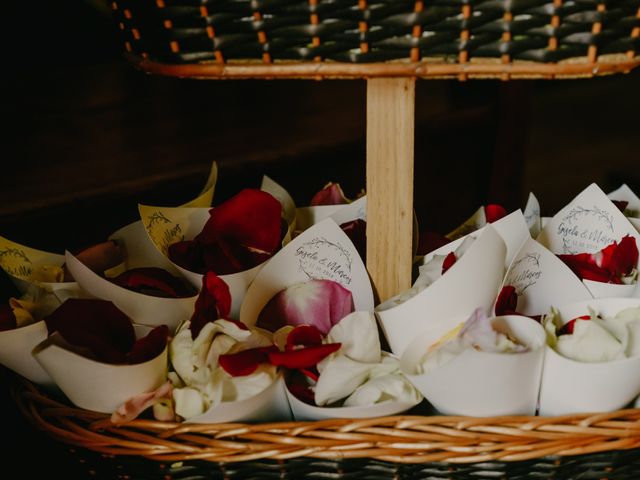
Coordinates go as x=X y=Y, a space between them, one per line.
x=367 y=38
x=572 y=446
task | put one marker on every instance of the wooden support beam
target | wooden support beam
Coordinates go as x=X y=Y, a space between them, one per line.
x=390 y=141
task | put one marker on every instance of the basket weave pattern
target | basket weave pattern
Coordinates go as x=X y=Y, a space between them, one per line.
x=366 y=31
x=400 y=439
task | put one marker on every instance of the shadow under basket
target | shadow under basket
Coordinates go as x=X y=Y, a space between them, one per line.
x=584 y=446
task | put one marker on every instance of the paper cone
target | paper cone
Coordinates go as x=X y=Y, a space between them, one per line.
x=532 y=215
x=542 y=280
x=138 y=250
x=586 y=225
x=624 y=193
x=140 y=308
x=569 y=386
x=268 y=406
x=166 y=226
x=470 y=283
x=302 y=411
x=482 y=384
x=15 y=352
x=20 y=262
x=280 y=194
x=321 y=252
x=609 y=290
x=98 y=386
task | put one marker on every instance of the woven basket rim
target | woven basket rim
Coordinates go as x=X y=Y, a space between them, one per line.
x=573 y=68
x=400 y=439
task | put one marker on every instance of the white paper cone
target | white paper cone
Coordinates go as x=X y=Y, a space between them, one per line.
x=98 y=386
x=140 y=308
x=470 y=283
x=308 y=216
x=139 y=251
x=569 y=386
x=542 y=280
x=270 y=405
x=15 y=352
x=483 y=384
x=302 y=411
x=609 y=290
x=321 y=252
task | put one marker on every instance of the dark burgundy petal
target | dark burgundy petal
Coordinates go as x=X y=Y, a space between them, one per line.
x=585 y=267
x=621 y=204
x=95 y=325
x=494 y=212
x=7 y=318
x=300 y=389
x=507 y=301
x=449 y=261
x=303 y=335
x=624 y=258
x=304 y=357
x=189 y=255
x=356 y=230
x=331 y=194
x=153 y=281
x=311 y=373
x=567 y=328
x=150 y=346
x=430 y=241
x=245 y=362
x=214 y=302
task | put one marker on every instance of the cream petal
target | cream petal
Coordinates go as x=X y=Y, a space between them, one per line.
x=188 y=402
x=339 y=378
x=358 y=334
x=381 y=389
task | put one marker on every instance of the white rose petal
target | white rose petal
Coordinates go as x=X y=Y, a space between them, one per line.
x=340 y=377
x=358 y=334
x=188 y=402
x=381 y=389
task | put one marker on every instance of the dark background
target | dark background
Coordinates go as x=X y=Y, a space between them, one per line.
x=86 y=138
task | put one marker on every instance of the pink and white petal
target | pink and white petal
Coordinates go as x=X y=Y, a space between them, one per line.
x=134 y=406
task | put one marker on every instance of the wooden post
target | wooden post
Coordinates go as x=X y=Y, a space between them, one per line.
x=390 y=140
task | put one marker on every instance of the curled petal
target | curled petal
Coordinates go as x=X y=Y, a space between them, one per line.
x=153 y=281
x=507 y=301
x=214 y=302
x=625 y=257
x=303 y=335
x=331 y=194
x=621 y=204
x=585 y=267
x=150 y=346
x=321 y=303
x=494 y=212
x=99 y=258
x=133 y=407
x=245 y=362
x=304 y=357
x=449 y=261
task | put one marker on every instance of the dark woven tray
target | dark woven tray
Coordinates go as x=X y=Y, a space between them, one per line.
x=361 y=31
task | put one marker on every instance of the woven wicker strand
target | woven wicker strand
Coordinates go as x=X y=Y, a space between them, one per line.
x=399 y=439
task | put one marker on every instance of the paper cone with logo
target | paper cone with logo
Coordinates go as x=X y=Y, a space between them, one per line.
x=541 y=280
x=322 y=252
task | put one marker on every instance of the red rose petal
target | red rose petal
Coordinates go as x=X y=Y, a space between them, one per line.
x=356 y=230
x=331 y=194
x=153 y=281
x=245 y=362
x=298 y=387
x=449 y=261
x=430 y=241
x=304 y=335
x=96 y=325
x=214 y=302
x=624 y=258
x=189 y=255
x=507 y=301
x=621 y=204
x=150 y=346
x=304 y=357
x=311 y=373
x=585 y=267
x=567 y=328
x=7 y=318
x=494 y=212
